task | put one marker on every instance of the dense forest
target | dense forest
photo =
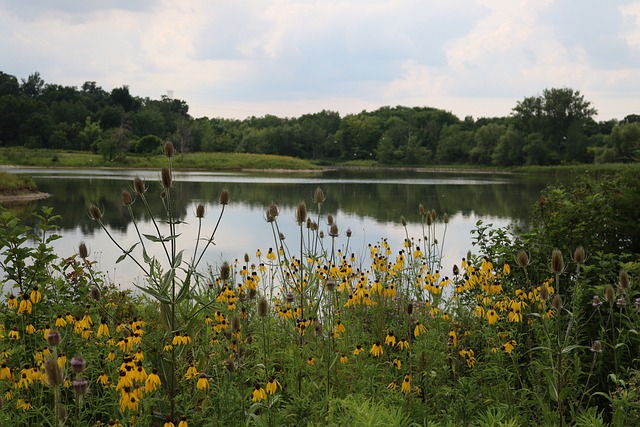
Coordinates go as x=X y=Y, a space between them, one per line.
x=557 y=127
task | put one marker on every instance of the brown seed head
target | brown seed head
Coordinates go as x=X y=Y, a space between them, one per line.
x=557 y=261
x=333 y=230
x=235 y=323
x=403 y=220
x=139 y=186
x=556 y=301
x=609 y=293
x=169 y=151
x=225 y=271
x=95 y=293
x=95 y=213
x=445 y=218
x=127 y=199
x=53 y=372
x=224 y=197
x=422 y=210
x=623 y=281
x=165 y=177
x=83 y=251
x=301 y=213
x=579 y=255
x=318 y=196
x=348 y=232
x=200 y=211
x=543 y=293
x=263 y=307
x=329 y=220
x=522 y=258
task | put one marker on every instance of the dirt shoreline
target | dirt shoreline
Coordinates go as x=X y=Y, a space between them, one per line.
x=22 y=197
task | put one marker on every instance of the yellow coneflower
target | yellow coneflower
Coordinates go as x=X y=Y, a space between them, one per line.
x=152 y=382
x=492 y=316
x=14 y=334
x=30 y=329
x=453 y=338
x=168 y=423
x=25 y=404
x=183 y=422
x=25 y=305
x=339 y=328
x=311 y=361
x=509 y=346
x=24 y=381
x=392 y=386
x=5 y=372
x=203 y=382
x=376 y=349
x=103 y=379
x=103 y=329
x=259 y=394
x=406 y=384
x=167 y=347
x=343 y=359
x=390 y=339
x=272 y=385
x=12 y=302
x=418 y=329
x=192 y=372
x=35 y=296
x=359 y=349
x=139 y=355
x=403 y=344
x=397 y=363
x=60 y=321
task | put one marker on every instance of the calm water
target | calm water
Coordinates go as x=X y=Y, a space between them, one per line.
x=369 y=204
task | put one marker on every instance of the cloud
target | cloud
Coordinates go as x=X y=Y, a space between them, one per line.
x=291 y=57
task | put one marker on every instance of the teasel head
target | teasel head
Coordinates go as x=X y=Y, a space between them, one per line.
x=331 y=285
x=127 y=199
x=169 y=151
x=165 y=178
x=314 y=226
x=309 y=223
x=522 y=258
x=263 y=306
x=422 y=210
x=348 y=233
x=330 y=220
x=445 y=218
x=557 y=261
x=410 y=308
x=456 y=269
x=83 y=251
x=80 y=387
x=289 y=296
x=428 y=219
x=77 y=364
x=333 y=230
x=301 y=213
x=95 y=213
x=53 y=337
x=281 y=236
x=609 y=293
x=543 y=293
x=596 y=346
x=623 y=281
x=272 y=212
x=318 y=196
x=95 y=293
x=53 y=372
x=139 y=186
x=225 y=271
x=235 y=323
x=403 y=220
x=556 y=302
x=200 y=211
x=579 y=255
x=224 y=197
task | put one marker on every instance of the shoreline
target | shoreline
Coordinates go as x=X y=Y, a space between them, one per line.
x=22 y=197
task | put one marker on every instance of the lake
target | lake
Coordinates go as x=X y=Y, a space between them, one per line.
x=368 y=203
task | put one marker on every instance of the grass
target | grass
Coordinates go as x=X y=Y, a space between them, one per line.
x=19 y=156
x=10 y=183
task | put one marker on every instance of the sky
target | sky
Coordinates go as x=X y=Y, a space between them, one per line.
x=242 y=58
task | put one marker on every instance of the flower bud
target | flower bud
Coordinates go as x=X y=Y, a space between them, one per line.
x=623 y=281
x=95 y=293
x=80 y=387
x=225 y=271
x=609 y=293
x=53 y=372
x=77 y=364
x=348 y=232
x=301 y=213
x=329 y=220
x=333 y=230
x=445 y=218
x=596 y=346
x=403 y=220
x=224 y=197
x=556 y=302
x=53 y=338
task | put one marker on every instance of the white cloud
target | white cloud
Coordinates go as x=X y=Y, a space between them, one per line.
x=290 y=57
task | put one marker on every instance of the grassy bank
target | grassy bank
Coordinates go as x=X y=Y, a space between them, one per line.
x=16 y=156
x=12 y=184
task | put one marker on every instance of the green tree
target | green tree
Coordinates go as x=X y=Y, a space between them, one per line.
x=455 y=145
x=486 y=140
x=625 y=142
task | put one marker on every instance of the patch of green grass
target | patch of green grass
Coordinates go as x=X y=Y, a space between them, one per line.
x=10 y=183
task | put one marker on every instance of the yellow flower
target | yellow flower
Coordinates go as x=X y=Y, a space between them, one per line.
x=403 y=344
x=203 y=382
x=509 y=346
x=419 y=329
x=153 y=381
x=192 y=372
x=183 y=422
x=397 y=363
x=311 y=361
x=14 y=334
x=506 y=269
x=272 y=385
x=515 y=311
x=103 y=329
x=339 y=328
x=25 y=404
x=344 y=359
x=25 y=305
x=5 y=372
x=169 y=424
x=376 y=349
x=453 y=338
x=259 y=394
x=12 y=302
x=390 y=340
x=358 y=350
x=103 y=379
x=406 y=384
x=35 y=296
x=30 y=329
x=392 y=386
x=492 y=316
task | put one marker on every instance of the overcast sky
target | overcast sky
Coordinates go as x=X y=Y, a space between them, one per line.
x=238 y=58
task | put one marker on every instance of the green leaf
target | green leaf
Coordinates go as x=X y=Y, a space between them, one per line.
x=124 y=255
x=158 y=296
x=178 y=259
x=570 y=348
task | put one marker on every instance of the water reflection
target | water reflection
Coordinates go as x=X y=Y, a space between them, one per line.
x=370 y=204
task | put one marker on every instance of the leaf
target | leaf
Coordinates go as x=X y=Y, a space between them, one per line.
x=158 y=296
x=570 y=348
x=124 y=255
x=178 y=259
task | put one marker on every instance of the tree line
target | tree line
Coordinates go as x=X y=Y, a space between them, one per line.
x=556 y=127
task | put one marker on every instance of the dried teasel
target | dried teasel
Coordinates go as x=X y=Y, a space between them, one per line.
x=127 y=199
x=139 y=186
x=557 y=261
x=224 y=197
x=522 y=258
x=623 y=281
x=348 y=232
x=333 y=230
x=95 y=213
x=301 y=213
x=166 y=178
x=318 y=196
x=263 y=307
x=83 y=251
x=579 y=255
x=200 y=211
x=225 y=271
x=169 y=151
x=53 y=372
x=609 y=293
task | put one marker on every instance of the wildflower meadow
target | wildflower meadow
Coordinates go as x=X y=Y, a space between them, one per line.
x=305 y=332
